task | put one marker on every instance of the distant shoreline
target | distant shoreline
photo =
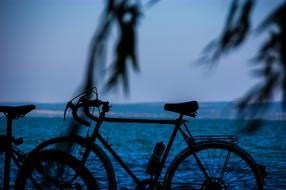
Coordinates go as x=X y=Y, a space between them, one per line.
x=207 y=110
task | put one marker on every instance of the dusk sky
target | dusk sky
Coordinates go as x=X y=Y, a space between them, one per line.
x=44 y=47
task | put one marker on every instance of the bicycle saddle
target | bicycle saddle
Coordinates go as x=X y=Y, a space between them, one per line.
x=15 y=112
x=185 y=108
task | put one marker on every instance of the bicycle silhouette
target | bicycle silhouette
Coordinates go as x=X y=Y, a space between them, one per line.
x=47 y=169
x=207 y=162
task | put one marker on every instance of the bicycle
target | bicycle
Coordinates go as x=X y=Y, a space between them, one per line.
x=47 y=169
x=217 y=162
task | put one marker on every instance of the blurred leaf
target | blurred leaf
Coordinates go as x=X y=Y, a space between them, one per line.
x=252 y=126
x=125 y=53
x=235 y=32
x=151 y=3
x=124 y=16
x=276 y=17
x=270 y=60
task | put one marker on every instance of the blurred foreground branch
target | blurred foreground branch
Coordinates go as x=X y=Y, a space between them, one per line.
x=270 y=59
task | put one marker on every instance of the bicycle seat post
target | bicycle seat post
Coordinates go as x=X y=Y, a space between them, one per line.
x=180 y=119
x=8 y=153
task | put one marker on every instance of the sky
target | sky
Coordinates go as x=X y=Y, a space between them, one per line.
x=44 y=48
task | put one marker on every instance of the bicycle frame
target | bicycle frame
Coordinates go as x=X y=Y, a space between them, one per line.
x=177 y=127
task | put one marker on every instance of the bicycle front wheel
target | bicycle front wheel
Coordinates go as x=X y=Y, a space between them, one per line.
x=226 y=167
x=53 y=169
x=96 y=160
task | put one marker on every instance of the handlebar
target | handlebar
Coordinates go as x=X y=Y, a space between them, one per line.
x=84 y=103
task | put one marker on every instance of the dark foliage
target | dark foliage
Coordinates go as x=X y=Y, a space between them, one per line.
x=235 y=32
x=122 y=16
x=126 y=16
x=270 y=60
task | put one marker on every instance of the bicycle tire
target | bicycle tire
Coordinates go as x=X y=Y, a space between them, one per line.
x=237 y=171
x=98 y=163
x=52 y=169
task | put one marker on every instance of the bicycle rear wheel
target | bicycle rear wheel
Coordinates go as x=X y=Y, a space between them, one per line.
x=227 y=165
x=54 y=169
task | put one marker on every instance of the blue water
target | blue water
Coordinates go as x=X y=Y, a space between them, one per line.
x=135 y=142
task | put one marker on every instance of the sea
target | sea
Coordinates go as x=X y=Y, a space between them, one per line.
x=266 y=142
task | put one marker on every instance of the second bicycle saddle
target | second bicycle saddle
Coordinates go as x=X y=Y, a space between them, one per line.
x=15 y=112
x=185 y=108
